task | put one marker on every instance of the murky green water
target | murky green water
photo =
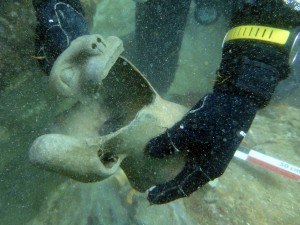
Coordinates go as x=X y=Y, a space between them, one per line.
x=245 y=194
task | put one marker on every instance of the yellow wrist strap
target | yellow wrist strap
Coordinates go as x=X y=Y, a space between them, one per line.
x=268 y=34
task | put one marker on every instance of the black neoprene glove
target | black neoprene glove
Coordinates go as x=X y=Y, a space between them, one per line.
x=59 y=22
x=211 y=131
x=209 y=135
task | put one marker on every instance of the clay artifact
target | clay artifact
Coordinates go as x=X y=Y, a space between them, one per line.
x=115 y=113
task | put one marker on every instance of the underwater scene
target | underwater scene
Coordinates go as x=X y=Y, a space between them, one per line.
x=123 y=112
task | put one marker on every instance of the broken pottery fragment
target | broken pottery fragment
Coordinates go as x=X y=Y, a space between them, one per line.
x=116 y=114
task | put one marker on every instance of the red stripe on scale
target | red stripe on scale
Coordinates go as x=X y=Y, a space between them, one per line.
x=273 y=168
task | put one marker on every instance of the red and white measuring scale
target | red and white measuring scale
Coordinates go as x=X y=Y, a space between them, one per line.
x=280 y=167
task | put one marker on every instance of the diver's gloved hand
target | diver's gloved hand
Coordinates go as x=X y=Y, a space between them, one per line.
x=208 y=135
x=255 y=59
x=59 y=23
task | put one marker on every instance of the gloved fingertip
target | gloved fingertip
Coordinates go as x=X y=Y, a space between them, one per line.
x=159 y=195
x=152 y=196
x=150 y=189
x=147 y=194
